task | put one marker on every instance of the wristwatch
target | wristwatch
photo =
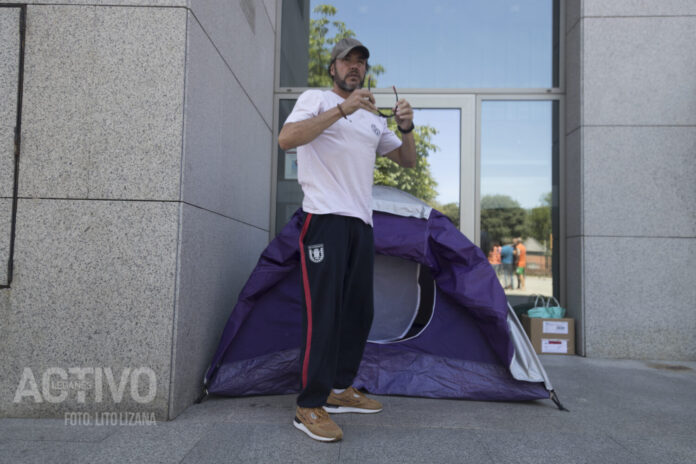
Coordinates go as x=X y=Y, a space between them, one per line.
x=406 y=131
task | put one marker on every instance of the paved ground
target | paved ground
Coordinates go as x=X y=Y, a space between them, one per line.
x=620 y=412
x=533 y=285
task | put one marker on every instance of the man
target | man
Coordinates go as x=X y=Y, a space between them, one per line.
x=494 y=257
x=337 y=133
x=506 y=257
x=521 y=258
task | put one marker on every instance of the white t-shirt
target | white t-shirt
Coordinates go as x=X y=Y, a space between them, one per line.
x=336 y=169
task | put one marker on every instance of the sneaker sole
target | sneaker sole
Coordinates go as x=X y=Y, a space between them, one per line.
x=344 y=409
x=301 y=426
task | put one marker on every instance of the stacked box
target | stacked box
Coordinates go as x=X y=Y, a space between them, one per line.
x=550 y=336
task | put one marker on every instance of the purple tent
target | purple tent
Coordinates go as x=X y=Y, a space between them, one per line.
x=442 y=328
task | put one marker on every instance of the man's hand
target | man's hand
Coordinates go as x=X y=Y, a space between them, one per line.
x=403 y=114
x=359 y=98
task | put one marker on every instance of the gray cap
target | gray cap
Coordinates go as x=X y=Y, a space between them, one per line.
x=344 y=47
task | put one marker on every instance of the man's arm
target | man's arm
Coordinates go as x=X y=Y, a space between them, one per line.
x=294 y=134
x=406 y=154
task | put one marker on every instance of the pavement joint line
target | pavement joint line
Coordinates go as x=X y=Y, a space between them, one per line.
x=48 y=441
x=107 y=436
x=637 y=456
x=191 y=449
x=350 y=423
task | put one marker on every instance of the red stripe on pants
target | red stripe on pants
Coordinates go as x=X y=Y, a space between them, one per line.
x=308 y=299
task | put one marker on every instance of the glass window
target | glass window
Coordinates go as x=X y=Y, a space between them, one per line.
x=436 y=177
x=518 y=193
x=416 y=44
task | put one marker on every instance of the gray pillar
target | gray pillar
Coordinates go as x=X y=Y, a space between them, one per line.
x=631 y=177
x=143 y=198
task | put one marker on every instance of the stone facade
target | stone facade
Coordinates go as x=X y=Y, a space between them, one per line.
x=143 y=195
x=631 y=200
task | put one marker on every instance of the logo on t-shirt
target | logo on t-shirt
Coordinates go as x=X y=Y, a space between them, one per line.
x=376 y=130
x=316 y=253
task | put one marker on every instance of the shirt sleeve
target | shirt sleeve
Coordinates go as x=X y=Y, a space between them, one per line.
x=307 y=106
x=388 y=141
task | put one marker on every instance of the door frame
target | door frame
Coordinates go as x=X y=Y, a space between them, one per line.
x=561 y=172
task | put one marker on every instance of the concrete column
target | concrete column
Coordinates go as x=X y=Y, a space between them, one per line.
x=143 y=198
x=630 y=177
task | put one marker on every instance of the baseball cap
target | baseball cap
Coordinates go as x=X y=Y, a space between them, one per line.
x=344 y=47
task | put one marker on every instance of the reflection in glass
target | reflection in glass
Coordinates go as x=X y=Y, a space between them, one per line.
x=517 y=161
x=436 y=177
x=435 y=180
x=288 y=191
x=415 y=44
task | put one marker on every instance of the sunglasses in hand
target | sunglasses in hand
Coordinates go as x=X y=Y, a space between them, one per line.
x=384 y=114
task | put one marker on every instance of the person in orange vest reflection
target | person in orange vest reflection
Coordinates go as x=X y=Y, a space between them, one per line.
x=521 y=258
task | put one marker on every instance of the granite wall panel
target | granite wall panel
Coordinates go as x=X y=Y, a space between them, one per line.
x=227 y=159
x=102 y=110
x=639 y=71
x=639 y=298
x=574 y=184
x=573 y=13
x=7 y=164
x=575 y=304
x=246 y=40
x=94 y=287
x=640 y=181
x=9 y=78
x=628 y=8
x=271 y=12
x=5 y=229
x=574 y=79
x=154 y=3
x=217 y=255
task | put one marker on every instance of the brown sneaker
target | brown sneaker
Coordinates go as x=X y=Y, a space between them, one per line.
x=316 y=423
x=351 y=400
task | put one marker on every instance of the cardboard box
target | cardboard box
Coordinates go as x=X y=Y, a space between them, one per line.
x=550 y=336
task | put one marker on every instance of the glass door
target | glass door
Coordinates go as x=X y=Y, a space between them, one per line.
x=518 y=206
x=491 y=170
x=445 y=177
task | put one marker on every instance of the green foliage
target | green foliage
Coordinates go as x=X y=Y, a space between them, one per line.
x=503 y=218
x=539 y=220
x=498 y=202
x=417 y=181
x=451 y=210
x=320 y=46
x=546 y=199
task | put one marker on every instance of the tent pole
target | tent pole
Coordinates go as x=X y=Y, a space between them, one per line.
x=203 y=396
x=554 y=398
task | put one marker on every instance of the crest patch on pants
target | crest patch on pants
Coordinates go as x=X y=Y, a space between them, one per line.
x=316 y=253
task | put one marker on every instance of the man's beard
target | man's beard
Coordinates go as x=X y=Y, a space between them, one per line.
x=343 y=85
